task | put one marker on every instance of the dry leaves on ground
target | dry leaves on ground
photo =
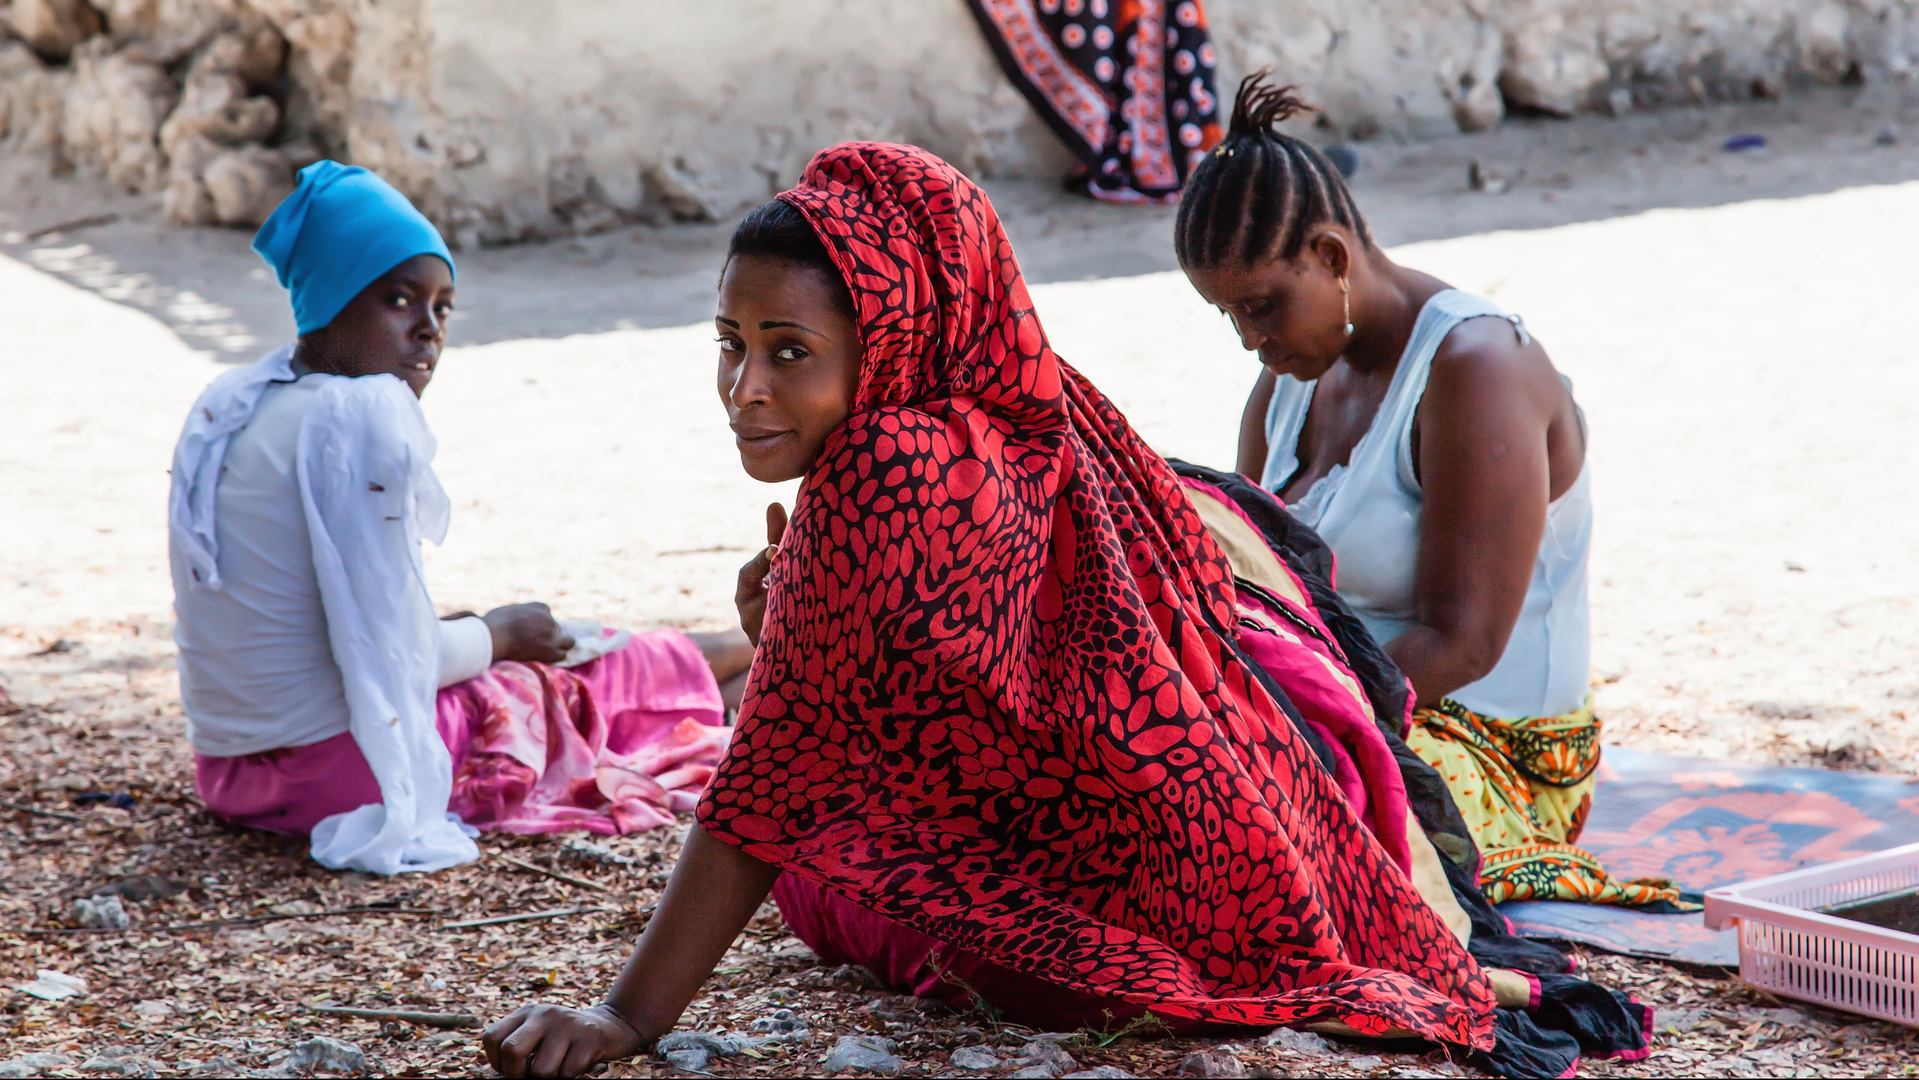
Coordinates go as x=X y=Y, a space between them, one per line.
x=96 y=711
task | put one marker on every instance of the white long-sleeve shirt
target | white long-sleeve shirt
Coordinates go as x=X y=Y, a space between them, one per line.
x=256 y=667
x=295 y=522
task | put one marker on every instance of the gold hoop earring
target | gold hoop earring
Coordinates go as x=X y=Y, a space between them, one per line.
x=1346 y=296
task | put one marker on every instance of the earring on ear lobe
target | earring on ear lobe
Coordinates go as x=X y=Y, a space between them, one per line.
x=1346 y=297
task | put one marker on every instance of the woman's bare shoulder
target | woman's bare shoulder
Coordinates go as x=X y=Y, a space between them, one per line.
x=1487 y=356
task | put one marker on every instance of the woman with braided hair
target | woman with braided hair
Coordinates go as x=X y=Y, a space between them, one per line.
x=1428 y=439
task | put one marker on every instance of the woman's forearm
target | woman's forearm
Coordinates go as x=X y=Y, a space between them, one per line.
x=712 y=894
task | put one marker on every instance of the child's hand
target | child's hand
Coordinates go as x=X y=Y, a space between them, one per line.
x=553 y=1040
x=750 y=596
x=528 y=633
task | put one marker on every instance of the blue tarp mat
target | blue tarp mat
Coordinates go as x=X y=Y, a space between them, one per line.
x=1711 y=823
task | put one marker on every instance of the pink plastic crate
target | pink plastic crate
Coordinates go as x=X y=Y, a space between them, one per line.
x=1793 y=951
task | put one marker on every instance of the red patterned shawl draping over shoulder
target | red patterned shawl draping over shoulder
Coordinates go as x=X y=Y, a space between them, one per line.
x=991 y=700
x=1128 y=85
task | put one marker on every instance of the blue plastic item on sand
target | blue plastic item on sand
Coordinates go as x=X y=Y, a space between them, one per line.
x=1738 y=143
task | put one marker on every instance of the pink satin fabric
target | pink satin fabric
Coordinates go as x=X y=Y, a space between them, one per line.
x=613 y=746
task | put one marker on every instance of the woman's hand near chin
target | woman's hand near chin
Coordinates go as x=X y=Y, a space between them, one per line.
x=553 y=1040
x=750 y=595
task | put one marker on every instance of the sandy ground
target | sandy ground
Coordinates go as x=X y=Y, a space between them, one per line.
x=1747 y=369
x=1737 y=328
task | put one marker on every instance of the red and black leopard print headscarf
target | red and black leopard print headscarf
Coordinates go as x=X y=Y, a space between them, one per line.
x=992 y=700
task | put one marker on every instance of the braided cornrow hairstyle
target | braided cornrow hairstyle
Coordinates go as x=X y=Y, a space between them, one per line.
x=1256 y=195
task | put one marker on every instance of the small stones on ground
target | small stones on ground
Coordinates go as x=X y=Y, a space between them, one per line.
x=862 y=1053
x=120 y=1061
x=581 y=851
x=720 y=1045
x=974 y=1058
x=142 y=887
x=891 y=1009
x=796 y=954
x=1887 y=136
x=1680 y=1021
x=101 y=912
x=1303 y=1042
x=50 y=985
x=152 y=1011
x=1619 y=103
x=854 y=975
x=1485 y=178
x=1782 y=1017
x=1211 y=1063
x=219 y=1066
x=327 y=1055
x=1045 y=1056
x=780 y=1022
x=693 y=1059
x=1101 y=1072
x=34 y=1064
x=692 y=1051
x=1365 y=1061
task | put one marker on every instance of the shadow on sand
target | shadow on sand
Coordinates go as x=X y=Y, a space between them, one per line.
x=213 y=292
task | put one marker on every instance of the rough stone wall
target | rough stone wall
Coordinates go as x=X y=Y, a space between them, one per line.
x=512 y=119
x=204 y=102
x=573 y=115
x=1416 y=67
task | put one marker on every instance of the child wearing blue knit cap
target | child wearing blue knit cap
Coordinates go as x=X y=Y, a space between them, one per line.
x=322 y=695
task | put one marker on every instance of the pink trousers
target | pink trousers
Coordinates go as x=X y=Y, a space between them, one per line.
x=612 y=746
x=906 y=961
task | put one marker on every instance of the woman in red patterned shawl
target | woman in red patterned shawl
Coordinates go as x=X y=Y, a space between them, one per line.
x=998 y=732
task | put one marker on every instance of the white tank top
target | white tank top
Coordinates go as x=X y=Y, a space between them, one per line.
x=1368 y=511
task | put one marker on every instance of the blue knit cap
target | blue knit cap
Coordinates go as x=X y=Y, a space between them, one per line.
x=341 y=230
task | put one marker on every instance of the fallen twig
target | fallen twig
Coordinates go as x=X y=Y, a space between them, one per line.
x=555 y=874
x=42 y=813
x=530 y=916
x=424 y=1019
x=76 y=223
x=213 y=924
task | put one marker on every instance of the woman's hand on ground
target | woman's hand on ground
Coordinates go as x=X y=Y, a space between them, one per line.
x=750 y=596
x=528 y=633
x=553 y=1040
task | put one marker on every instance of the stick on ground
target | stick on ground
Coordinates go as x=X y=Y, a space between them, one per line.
x=555 y=874
x=424 y=1019
x=42 y=813
x=214 y=924
x=530 y=916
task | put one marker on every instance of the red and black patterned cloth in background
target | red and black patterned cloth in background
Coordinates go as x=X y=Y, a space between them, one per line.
x=1128 y=84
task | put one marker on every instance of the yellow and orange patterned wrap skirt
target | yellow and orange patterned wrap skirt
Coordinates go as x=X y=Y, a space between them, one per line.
x=1524 y=787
